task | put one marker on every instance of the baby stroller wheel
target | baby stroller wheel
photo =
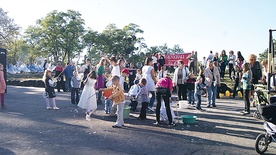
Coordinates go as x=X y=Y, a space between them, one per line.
x=261 y=143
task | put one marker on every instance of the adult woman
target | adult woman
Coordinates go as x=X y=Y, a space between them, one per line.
x=265 y=71
x=216 y=57
x=2 y=85
x=223 y=62
x=212 y=79
x=179 y=80
x=149 y=75
x=246 y=80
x=154 y=59
x=256 y=70
x=121 y=64
x=240 y=59
x=115 y=67
x=164 y=89
x=100 y=82
x=231 y=64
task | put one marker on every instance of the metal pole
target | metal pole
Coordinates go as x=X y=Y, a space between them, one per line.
x=269 y=61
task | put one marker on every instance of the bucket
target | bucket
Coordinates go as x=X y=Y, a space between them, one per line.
x=188 y=119
x=227 y=93
x=126 y=112
x=183 y=105
x=239 y=94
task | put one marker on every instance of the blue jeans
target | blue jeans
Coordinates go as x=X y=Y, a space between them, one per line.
x=107 y=107
x=191 y=99
x=198 y=101
x=212 y=93
x=152 y=99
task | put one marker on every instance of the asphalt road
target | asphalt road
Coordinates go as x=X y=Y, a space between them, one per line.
x=27 y=128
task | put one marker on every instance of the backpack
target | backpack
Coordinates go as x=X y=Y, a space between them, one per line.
x=257 y=71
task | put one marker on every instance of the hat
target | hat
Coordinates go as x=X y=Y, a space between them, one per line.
x=125 y=71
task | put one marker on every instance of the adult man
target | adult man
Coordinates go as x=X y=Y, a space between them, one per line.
x=161 y=61
x=87 y=68
x=59 y=74
x=132 y=75
x=192 y=58
x=211 y=56
x=45 y=65
x=68 y=71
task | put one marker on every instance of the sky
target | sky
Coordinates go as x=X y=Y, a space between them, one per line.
x=195 y=25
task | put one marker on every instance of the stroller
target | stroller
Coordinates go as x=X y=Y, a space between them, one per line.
x=266 y=111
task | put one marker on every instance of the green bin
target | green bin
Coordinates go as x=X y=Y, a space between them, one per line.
x=126 y=112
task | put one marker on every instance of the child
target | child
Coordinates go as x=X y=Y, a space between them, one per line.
x=246 y=80
x=198 y=87
x=108 y=103
x=118 y=99
x=88 y=99
x=75 y=85
x=143 y=93
x=133 y=91
x=49 y=89
x=162 y=73
x=138 y=75
x=124 y=74
x=2 y=85
x=238 y=75
x=191 y=88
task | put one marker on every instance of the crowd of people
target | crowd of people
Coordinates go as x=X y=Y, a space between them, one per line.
x=113 y=77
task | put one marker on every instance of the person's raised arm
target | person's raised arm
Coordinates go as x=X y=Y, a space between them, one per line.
x=105 y=58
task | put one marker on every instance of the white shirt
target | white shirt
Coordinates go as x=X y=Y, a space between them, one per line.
x=115 y=71
x=138 y=76
x=232 y=59
x=154 y=59
x=133 y=91
x=122 y=81
x=160 y=74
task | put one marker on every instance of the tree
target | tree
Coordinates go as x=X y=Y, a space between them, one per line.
x=18 y=52
x=8 y=29
x=263 y=56
x=177 y=50
x=114 y=41
x=59 y=34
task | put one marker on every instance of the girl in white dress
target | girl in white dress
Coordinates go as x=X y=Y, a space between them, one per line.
x=149 y=75
x=88 y=98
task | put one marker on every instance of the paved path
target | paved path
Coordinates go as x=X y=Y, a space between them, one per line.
x=27 y=128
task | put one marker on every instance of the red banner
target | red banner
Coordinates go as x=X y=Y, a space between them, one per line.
x=171 y=59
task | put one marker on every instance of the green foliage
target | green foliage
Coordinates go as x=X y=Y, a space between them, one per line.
x=18 y=52
x=263 y=56
x=61 y=36
x=58 y=35
x=114 y=41
x=8 y=30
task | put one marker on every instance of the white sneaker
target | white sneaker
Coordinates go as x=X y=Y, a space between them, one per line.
x=49 y=108
x=87 y=117
x=56 y=108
